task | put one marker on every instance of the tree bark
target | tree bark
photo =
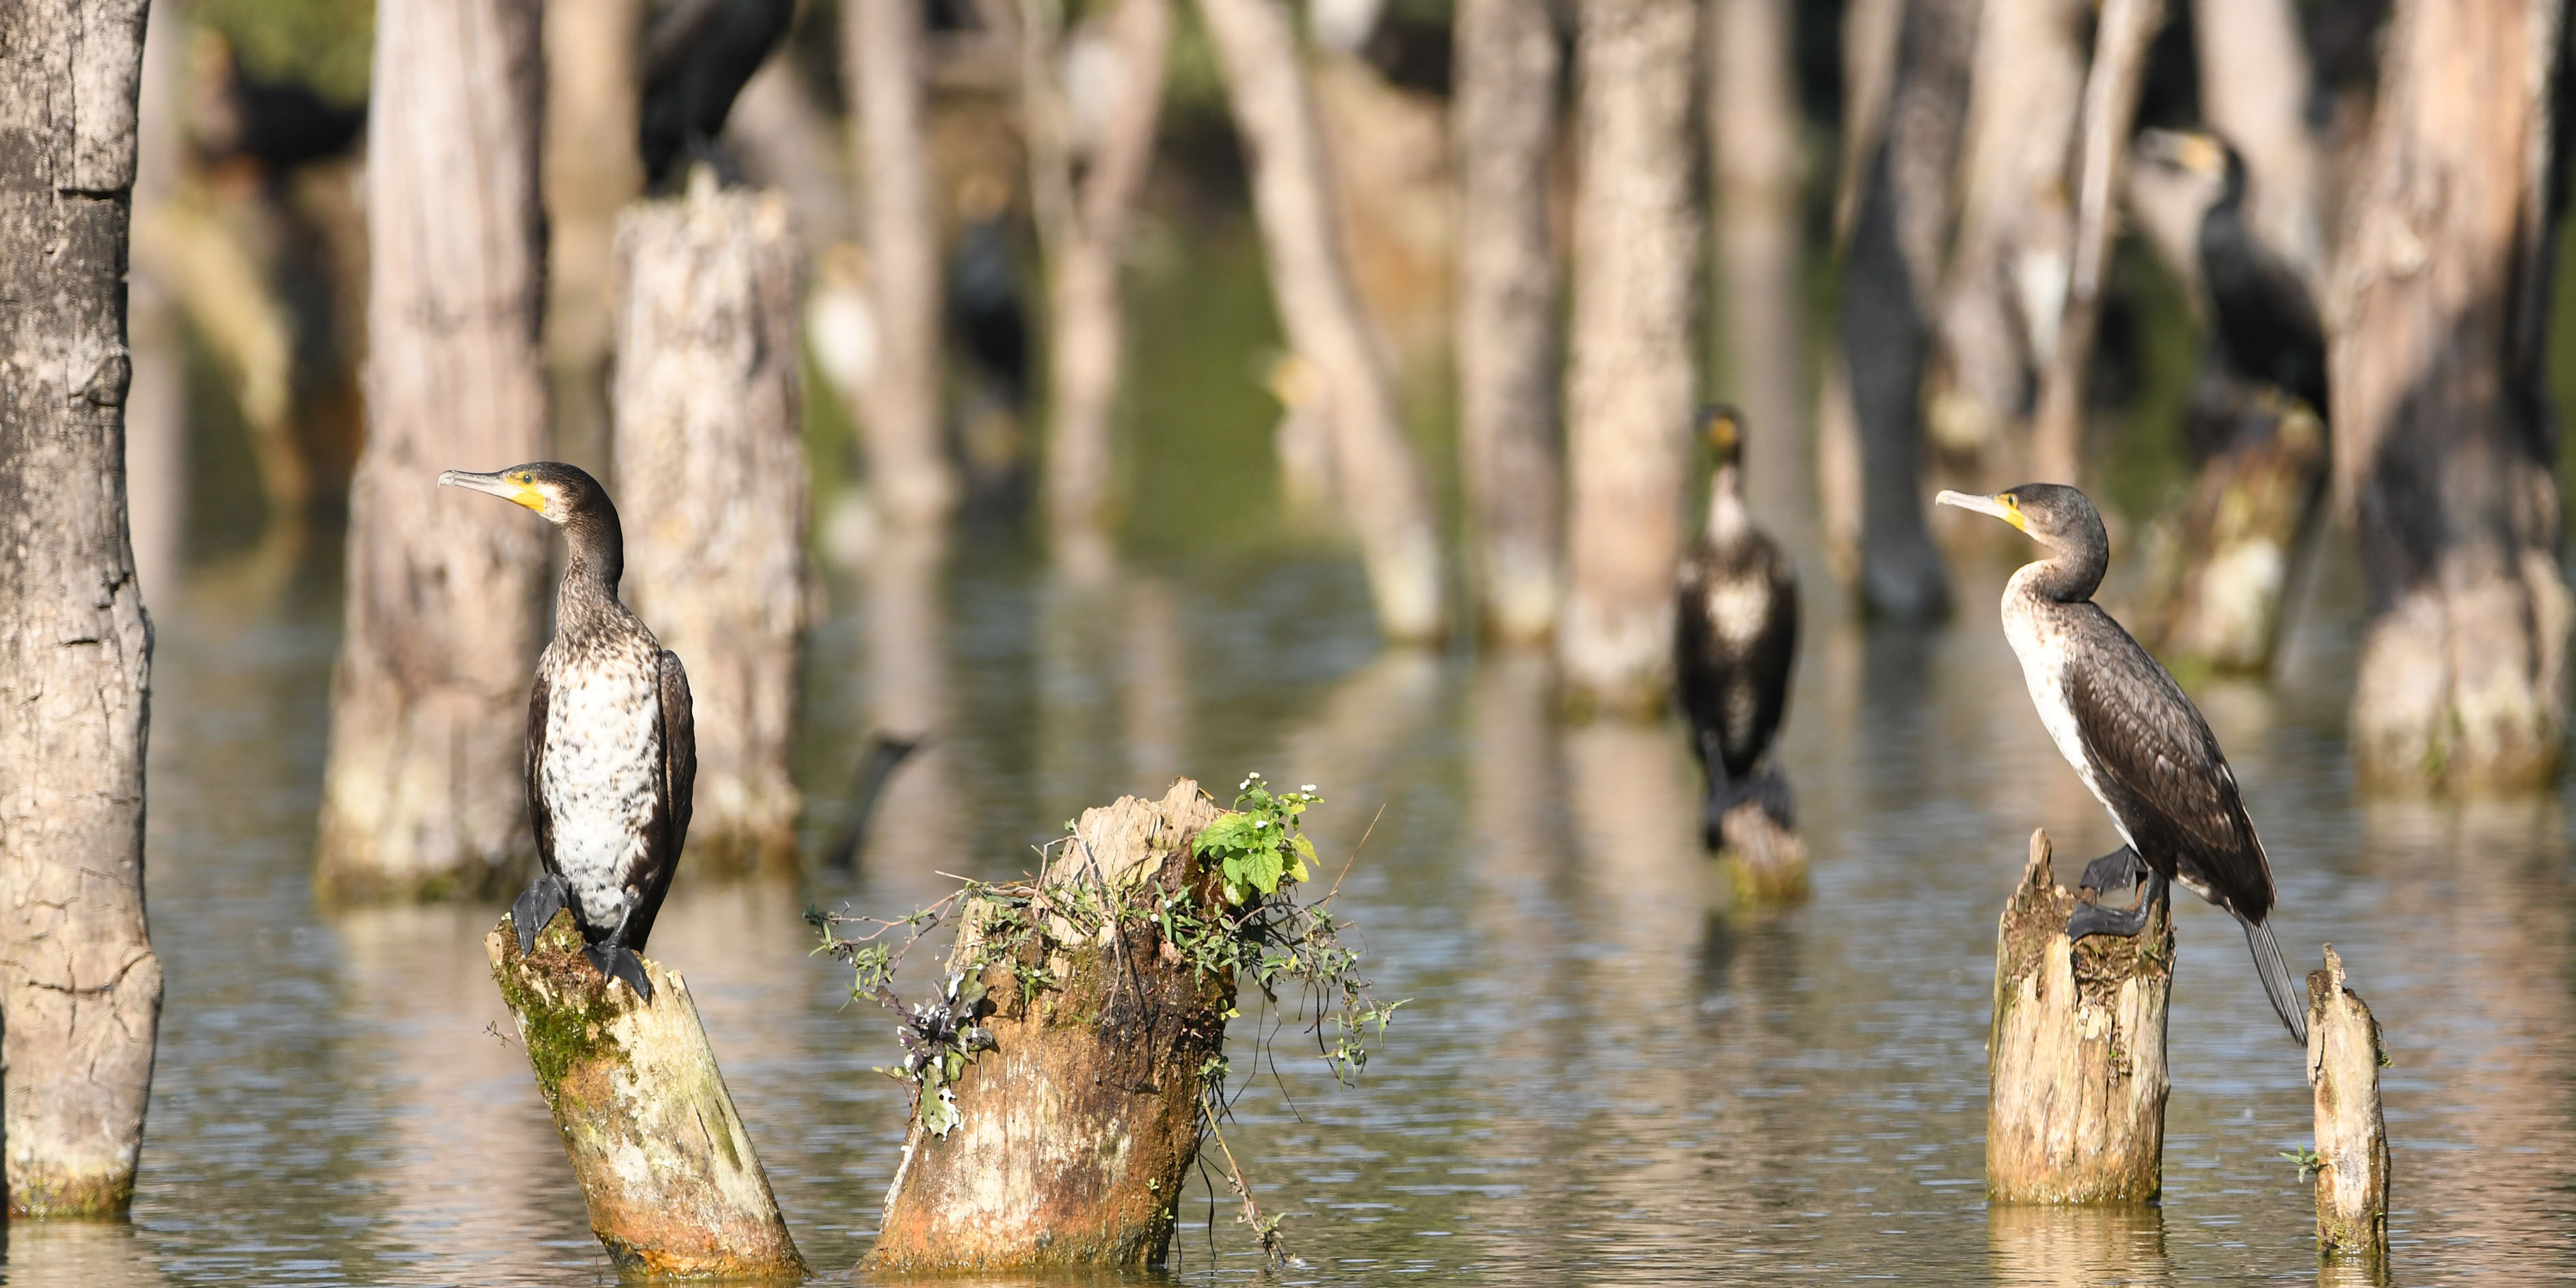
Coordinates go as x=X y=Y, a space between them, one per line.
x=2255 y=84
x=156 y=407
x=1083 y=226
x=2076 y=1058
x=421 y=794
x=1634 y=347
x=2120 y=41
x=900 y=413
x=2443 y=439
x=594 y=93
x=80 y=988
x=1504 y=128
x=2344 y=1056
x=1073 y=1133
x=785 y=142
x=666 y=1169
x=1382 y=489
x=1899 y=234
x=1754 y=129
x=711 y=472
x=2241 y=536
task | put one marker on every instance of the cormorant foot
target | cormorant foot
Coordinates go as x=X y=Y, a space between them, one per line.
x=543 y=899
x=2094 y=919
x=1770 y=790
x=616 y=961
x=2115 y=872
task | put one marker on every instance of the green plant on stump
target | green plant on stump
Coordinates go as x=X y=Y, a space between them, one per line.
x=1241 y=921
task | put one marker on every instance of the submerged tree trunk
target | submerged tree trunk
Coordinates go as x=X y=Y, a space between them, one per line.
x=593 y=95
x=80 y=988
x=1754 y=128
x=785 y=142
x=1504 y=128
x=1070 y=1137
x=2443 y=438
x=1084 y=224
x=885 y=62
x=2255 y=84
x=2344 y=1056
x=1635 y=349
x=1382 y=489
x=2120 y=42
x=1900 y=226
x=421 y=795
x=2241 y=536
x=711 y=474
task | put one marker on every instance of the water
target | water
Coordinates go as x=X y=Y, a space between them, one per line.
x=1604 y=1073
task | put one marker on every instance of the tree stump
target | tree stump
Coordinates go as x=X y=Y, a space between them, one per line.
x=665 y=1165
x=2076 y=1056
x=1763 y=861
x=1066 y=1141
x=711 y=480
x=2248 y=518
x=2344 y=1057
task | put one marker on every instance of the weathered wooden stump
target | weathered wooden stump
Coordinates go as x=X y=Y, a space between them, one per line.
x=1066 y=1141
x=673 y=1186
x=2076 y=1056
x=2240 y=539
x=711 y=487
x=1763 y=861
x=2344 y=1057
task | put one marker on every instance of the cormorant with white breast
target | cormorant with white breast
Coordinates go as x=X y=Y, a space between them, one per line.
x=1735 y=637
x=612 y=748
x=2133 y=737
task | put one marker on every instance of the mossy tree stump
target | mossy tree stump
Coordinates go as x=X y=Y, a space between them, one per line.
x=1764 y=862
x=2344 y=1057
x=2076 y=1055
x=2241 y=537
x=673 y=1187
x=1071 y=1133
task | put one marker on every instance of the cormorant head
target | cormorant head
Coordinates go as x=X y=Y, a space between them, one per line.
x=2053 y=514
x=1723 y=426
x=2200 y=154
x=564 y=494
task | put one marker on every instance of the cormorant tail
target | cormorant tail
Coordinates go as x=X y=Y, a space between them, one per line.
x=2288 y=1000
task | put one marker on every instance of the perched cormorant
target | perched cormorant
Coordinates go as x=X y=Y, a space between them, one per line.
x=697 y=57
x=1735 y=636
x=2262 y=319
x=612 y=749
x=2140 y=746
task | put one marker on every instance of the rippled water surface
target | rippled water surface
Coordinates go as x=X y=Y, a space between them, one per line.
x=1605 y=1073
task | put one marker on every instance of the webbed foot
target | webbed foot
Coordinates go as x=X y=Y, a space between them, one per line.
x=617 y=961
x=2114 y=872
x=2094 y=919
x=1770 y=790
x=543 y=899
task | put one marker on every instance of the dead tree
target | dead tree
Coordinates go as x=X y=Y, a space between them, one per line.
x=594 y=92
x=711 y=472
x=80 y=989
x=421 y=795
x=1899 y=235
x=1753 y=128
x=1634 y=348
x=2345 y=1052
x=1504 y=129
x=784 y=141
x=2120 y=41
x=1083 y=226
x=1382 y=490
x=2443 y=442
x=884 y=60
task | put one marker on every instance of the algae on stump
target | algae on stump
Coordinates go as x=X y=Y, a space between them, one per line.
x=2076 y=1057
x=2344 y=1057
x=1763 y=861
x=664 y=1163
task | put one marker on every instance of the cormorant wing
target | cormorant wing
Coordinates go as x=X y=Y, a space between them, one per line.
x=533 y=759
x=676 y=799
x=2160 y=769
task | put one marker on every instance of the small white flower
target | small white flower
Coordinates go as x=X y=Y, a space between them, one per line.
x=1260 y=823
x=1307 y=788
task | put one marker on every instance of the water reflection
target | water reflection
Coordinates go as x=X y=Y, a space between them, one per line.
x=2078 y=1247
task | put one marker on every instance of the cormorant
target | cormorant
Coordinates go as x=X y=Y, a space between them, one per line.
x=2138 y=743
x=697 y=57
x=1735 y=637
x=985 y=312
x=2263 y=321
x=612 y=748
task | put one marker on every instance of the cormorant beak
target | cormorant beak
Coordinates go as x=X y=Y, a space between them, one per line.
x=2002 y=507
x=2184 y=150
x=520 y=487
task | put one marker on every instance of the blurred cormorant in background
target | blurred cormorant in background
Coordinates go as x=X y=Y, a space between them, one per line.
x=1735 y=638
x=697 y=57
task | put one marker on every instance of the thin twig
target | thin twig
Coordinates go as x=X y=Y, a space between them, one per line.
x=1355 y=856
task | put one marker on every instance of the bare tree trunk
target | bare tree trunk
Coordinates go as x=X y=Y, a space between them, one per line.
x=784 y=141
x=1382 y=489
x=2006 y=286
x=1635 y=349
x=1083 y=225
x=156 y=407
x=80 y=989
x=711 y=465
x=2443 y=437
x=886 y=62
x=2120 y=41
x=2254 y=88
x=1504 y=127
x=421 y=795
x=1869 y=71
x=2345 y=1052
x=1753 y=127
x=1899 y=235
x=594 y=93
